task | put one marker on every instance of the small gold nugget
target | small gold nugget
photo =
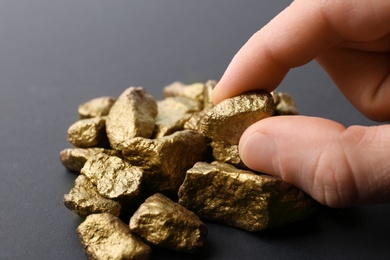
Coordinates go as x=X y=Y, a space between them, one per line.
x=228 y=153
x=104 y=236
x=229 y=119
x=284 y=104
x=74 y=158
x=241 y=198
x=113 y=177
x=165 y=160
x=162 y=222
x=132 y=115
x=173 y=112
x=84 y=199
x=89 y=132
x=96 y=107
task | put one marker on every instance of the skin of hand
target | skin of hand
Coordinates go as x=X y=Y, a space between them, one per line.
x=350 y=39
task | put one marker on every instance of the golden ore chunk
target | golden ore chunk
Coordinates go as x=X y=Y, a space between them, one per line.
x=227 y=121
x=86 y=133
x=104 y=236
x=162 y=222
x=113 y=177
x=132 y=115
x=96 y=107
x=84 y=199
x=74 y=158
x=241 y=198
x=165 y=160
x=284 y=104
x=173 y=112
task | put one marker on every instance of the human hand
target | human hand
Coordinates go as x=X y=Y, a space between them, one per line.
x=350 y=39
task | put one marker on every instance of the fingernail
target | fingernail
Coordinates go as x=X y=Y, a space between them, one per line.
x=258 y=152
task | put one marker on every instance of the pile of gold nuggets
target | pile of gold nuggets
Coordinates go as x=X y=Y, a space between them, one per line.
x=175 y=162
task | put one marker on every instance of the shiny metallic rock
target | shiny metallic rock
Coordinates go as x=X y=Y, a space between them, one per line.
x=193 y=91
x=165 y=160
x=229 y=119
x=193 y=122
x=173 y=112
x=86 y=133
x=104 y=236
x=228 y=153
x=113 y=177
x=132 y=115
x=83 y=199
x=96 y=107
x=207 y=94
x=162 y=222
x=284 y=104
x=74 y=158
x=241 y=198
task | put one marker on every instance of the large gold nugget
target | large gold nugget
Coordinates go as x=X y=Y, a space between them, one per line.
x=240 y=198
x=104 y=236
x=96 y=107
x=132 y=115
x=89 y=132
x=84 y=199
x=113 y=177
x=229 y=119
x=165 y=160
x=162 y=222
x=173 y=112
x=74 y=158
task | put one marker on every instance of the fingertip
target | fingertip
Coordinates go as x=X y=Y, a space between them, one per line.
x=258 y=151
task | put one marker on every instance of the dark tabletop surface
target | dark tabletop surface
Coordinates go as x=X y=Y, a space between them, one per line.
x=55 y=55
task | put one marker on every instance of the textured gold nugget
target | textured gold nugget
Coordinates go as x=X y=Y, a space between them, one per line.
x=113 y=177
x=96 y=107
x=89 y=132
x=284 y=104
x=74 y=158
x=131 y=116
x=165 y=160
x=84 y=199
x=173 y=112
x=228 y=153
x=103 y=236
x=229 y=119
x=240 y=198
x=162 y=222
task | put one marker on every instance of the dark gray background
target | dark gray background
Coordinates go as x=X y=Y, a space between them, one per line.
x=56 y=54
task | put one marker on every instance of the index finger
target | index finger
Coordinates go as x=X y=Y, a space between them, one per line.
x=293 y=38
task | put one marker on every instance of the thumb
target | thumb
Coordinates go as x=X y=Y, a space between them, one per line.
x=337 y=166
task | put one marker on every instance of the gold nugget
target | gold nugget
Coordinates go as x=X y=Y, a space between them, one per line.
x=165 y=160
x=284 y=104
x=229 y=119
x=103 y=236
x=132 y=115
x=96 y=107
x=74 y=158
x=228 y=153
x=160 y=221
x=113 y=177
x=84 y=199
x=89 y=132
x=173 y=112
x=241 y=198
